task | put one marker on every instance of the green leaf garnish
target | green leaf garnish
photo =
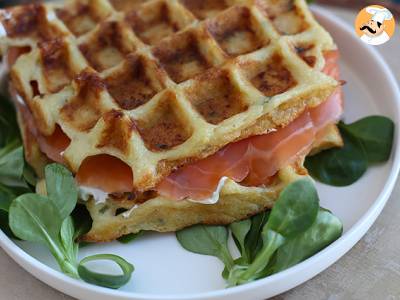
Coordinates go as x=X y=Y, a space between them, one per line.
x=61 y=188
x=366 y=141
x=47 y=220
x=254 y=239
x=67 y=237
x=294 y=212
x=269 y=242
x=240 y=230
x=376 y=136
x=8 y=123
x=35 y=218
x=207 y=240
x=12 y=165
x=106 y=280
x=6 y=197
x=326 y=229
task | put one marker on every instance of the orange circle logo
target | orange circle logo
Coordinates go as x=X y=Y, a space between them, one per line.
x=375 y=25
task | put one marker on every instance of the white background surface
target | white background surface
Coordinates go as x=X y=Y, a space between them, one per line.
x=369 y=271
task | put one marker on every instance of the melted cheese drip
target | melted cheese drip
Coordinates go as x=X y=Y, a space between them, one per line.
x=127 y=214
x=215 y=196
x=98 y=195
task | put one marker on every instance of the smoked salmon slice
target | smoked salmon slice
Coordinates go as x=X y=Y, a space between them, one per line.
x=54 y=145
x=106 y=173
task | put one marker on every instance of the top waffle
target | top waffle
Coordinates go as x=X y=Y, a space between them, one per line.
x=161 y=83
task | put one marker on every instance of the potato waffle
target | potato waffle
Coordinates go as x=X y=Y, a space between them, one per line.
x=162 y=83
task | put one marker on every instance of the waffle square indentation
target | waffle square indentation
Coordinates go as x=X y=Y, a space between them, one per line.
x=156 y=20
x=108 y=46
x=82 y=16
x=272 y=77
x=181 y=57
x=132 y=86
x=215 y=97
x=235 y=32
x=84 y=109
x=55 y=59
x=167 y=128
x=285 y=15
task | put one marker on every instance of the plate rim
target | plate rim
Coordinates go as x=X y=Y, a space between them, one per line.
x=336 y=250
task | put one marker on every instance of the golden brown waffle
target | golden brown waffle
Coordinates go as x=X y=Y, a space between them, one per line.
x=161 y=83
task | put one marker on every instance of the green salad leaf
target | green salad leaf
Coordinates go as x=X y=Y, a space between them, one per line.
x=339 y=166
x=8 y=123
x=207 y=240
x=294 y=212
x=295 y=229
x=241 y=274
x=366 y=141
x=254 y=239
x=375 y=134
x=240 y=230
x=67 y=237
x=29 y=175
x=106 y=280
x=12 y=166
x=14 y=172
x=7 y=195
x=61 y=189
x=326 y=229
x=35 y=218
x=48 y=220
x=247 y=236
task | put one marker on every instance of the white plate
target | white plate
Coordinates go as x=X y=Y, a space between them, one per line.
x=165 y=271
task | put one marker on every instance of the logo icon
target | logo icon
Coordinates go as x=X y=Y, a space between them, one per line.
x=375 y=25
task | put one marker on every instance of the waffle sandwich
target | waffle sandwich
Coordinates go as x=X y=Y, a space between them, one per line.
x=134 y=95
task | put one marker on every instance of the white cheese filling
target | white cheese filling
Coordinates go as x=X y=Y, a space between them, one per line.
x=3 y=32
x=98 y=195
x=127 y=214
x=215 y=196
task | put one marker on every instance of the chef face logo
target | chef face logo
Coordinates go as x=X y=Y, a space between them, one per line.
x=375 y=25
